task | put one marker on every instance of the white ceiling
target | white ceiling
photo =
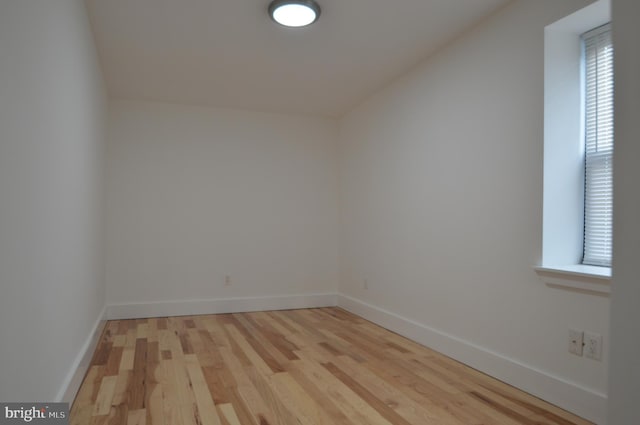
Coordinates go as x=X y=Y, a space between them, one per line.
x=229 y=53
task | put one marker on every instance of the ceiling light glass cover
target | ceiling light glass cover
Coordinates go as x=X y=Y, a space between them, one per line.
x=294 y=13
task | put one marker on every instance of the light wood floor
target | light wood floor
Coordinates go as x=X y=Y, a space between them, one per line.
x=318 y=366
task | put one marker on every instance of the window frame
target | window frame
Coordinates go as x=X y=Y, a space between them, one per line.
x=560 y=265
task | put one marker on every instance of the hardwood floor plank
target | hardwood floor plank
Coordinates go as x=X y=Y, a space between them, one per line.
x=295 y=367
x=162 y=323
x=251 y=334
x=153 y=390
x=257 y=360
x=142 y=330
x=245 y=414
x=208 y=355
x=170 y=396
x=189 y=414
x=355 y=408
x=137 y=383
x=137 y=417
x=206 y=407
x=131 y=338
x=217 y=388
x=123 y=326
x=306 y=410
x=126 y=359
x=82 y=408
x=274 y=336
x=229 y=414
x=278 y=321
x=425 y=393
x=105 y=395
x=384 y=410
x=120 y=394
x=113 y=362
x=275 y=409
x=405 y=406
x=102 y=354
x=337 y=415
x=119 y=340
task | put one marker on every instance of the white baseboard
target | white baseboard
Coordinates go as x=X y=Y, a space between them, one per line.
x=218 y=305
x=80 y=365
x=567 y=395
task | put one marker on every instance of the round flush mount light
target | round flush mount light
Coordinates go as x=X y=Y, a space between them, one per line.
x=294 y=13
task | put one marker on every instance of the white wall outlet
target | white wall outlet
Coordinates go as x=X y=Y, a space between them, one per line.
x=593 y=346
x=365 y=284
x=227 y=280
x=575 y=342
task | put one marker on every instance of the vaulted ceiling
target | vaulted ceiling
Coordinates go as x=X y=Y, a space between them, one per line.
x=228 y=53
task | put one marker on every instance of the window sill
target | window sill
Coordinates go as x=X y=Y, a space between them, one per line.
x=577 y=277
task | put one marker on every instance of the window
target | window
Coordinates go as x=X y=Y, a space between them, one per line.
x=598 y=95
x=578 y=148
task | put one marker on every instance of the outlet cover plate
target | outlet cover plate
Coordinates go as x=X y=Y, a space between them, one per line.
x=593 y=346
x=575 y=342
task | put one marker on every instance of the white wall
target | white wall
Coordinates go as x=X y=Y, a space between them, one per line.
x=52 y=108
x=624 y=387
x=441 y=194
x=195 y=194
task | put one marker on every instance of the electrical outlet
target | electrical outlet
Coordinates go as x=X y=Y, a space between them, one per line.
x=575 y=342
x=593 y=346
x=365 y=284
x=227 y=280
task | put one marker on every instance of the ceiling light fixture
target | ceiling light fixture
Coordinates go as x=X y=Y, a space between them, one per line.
x=294 y=13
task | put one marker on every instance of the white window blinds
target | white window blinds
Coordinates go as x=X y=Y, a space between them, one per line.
x=598 y=214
